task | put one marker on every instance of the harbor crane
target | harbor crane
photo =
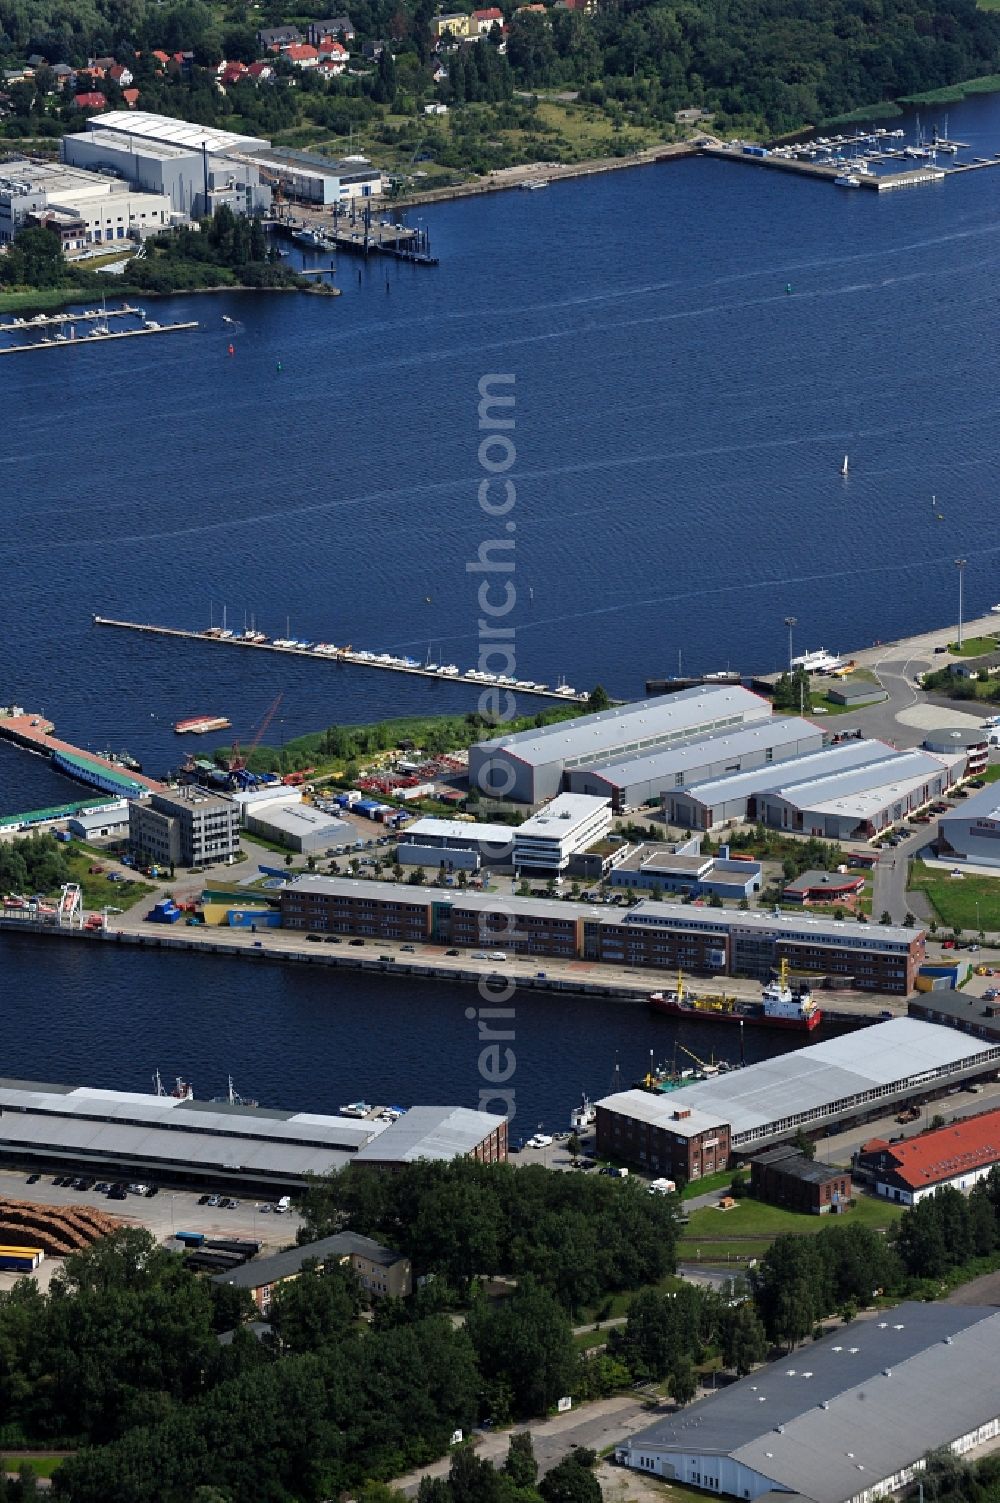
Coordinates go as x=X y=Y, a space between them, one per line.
x=238 y=770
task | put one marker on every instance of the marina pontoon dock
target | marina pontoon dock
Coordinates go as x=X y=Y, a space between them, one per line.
x=326 y=651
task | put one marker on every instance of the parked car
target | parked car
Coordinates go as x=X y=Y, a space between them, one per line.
x=355 y=941
x=33 y=1179
x=317 y=939
x=332 y=939
x=410 y=949
x=203 y=1200
x=451 y=952
x=213 y=1201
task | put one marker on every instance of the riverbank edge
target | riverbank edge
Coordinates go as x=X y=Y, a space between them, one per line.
x=623 y=991
x=83 y=294
x=506 y=180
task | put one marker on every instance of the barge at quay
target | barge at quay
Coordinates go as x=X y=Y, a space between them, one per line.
x=780 y=1006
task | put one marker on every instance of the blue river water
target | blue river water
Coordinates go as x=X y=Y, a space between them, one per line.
x=680 y=421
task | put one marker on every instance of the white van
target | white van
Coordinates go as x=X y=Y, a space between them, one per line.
x=496 y=955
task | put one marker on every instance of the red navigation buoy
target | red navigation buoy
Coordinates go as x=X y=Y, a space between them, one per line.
x=232 y=350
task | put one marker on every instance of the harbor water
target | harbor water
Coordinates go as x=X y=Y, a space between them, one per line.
x=695 y=347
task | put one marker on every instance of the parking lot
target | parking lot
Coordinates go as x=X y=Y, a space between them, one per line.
x=163 y=1214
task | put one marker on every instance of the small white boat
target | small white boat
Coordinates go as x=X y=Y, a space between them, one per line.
x=995 y=610
x=355 y=1109
x=847 y=180
x=532 y=184
x=843 y=467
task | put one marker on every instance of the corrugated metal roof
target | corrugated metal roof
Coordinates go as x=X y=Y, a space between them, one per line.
x=926 y=1374
x=431 y=1132
x=607 y=729
x=783 y=775
x=147 y=126
x=757 y=736
x=812 y=1078
x=982 y=805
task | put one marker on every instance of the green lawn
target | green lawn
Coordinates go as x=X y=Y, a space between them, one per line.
x=973 y=647
x=954 y=899
x=751 y=1226
x=98 y=892
x=42 y=1466
x=718 y=1181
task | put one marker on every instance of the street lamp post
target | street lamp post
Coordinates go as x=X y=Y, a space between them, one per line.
x=791 y=622
x=960 y=566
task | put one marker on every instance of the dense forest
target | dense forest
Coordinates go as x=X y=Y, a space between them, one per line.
x=774 y=64
x=121 y=1363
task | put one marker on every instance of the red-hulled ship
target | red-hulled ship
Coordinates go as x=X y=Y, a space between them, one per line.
x=780 y=1006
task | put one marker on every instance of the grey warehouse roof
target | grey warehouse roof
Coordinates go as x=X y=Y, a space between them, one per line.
x=164 y=128
x=284 y=1265
x=431 y=1132
x=982 y=805
x=833 y=759
x=760 y=734
x=645 y=718
x=806 y=1080
x=927 y=1374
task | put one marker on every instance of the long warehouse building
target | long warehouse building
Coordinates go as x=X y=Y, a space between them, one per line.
x=848 y=1419
x=663 y=936
x=846 y=792
x=140 y=1136
x=629 y=782
x=700 y=1128
x=532 y=765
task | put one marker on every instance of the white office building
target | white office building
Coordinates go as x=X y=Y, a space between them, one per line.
x=570 y=823
x=83 y=208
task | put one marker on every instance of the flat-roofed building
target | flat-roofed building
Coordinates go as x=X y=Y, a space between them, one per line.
x=184 y=827
x=848 y=1419
x=957 y=1156
x=660 y=869
x=549 y=839
x=664 y=936
x=532 y=765
x=717 y=941
x=492 y=844
x=300 y=827
x=630 y=782
x=83 y=208
x=307 y=177
x=972 y=741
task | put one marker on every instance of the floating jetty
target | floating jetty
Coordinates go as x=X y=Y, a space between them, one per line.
x=327 y=652
x=95 y=336
x=35 y=734
x=856 y=171
x=50 y=320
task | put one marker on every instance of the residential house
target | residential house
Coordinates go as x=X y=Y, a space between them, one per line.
x=301 y=55
x=131 y=97
x=260 y=72
x=162 y=58
x=119 y=74
x=528 y=10
x=92 y=100
x=439 y=72
x=335 y=29
x=372 y=51
x=104 y=63
x=63 y=74
x=230 y=73
x=451 y=24
x=271 y=38
x=483 y=21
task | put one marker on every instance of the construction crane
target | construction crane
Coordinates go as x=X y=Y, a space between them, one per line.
x=238 y=771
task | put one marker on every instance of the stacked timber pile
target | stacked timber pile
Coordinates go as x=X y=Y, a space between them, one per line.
x=58 y=1230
